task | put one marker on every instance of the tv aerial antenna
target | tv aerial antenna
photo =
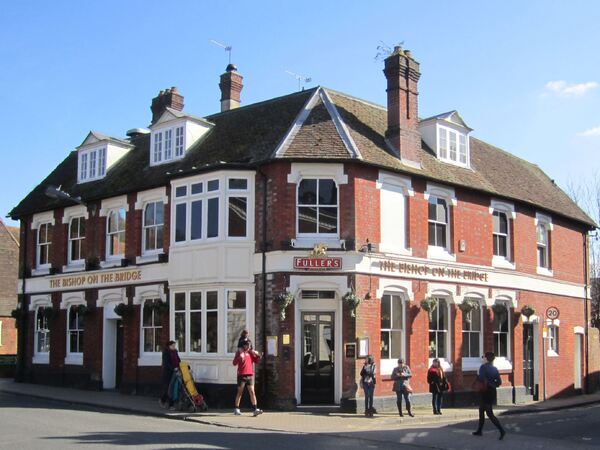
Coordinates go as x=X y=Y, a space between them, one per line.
x=225 y=47
x=301 y=78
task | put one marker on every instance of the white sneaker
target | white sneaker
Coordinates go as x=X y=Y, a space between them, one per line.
x=257 y=412
x=237 y=412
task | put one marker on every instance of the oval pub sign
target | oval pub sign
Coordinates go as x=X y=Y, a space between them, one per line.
x=552 y=313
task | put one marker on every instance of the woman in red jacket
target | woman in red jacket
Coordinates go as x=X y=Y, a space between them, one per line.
x=437 y=381
x=245 y=359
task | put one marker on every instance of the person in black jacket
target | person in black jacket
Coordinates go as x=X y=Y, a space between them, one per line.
x=436 y=380
x=170 y=363
x=367 y=382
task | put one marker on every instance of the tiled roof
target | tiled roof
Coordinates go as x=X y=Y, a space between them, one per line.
x=251 y=134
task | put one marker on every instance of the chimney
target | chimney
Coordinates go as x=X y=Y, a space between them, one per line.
x=168 y=98
x=402 y=134
x=231 y=87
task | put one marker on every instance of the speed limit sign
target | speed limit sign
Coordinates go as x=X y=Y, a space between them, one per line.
x=552 y=313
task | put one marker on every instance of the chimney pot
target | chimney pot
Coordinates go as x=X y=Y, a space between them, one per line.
x=231 y=85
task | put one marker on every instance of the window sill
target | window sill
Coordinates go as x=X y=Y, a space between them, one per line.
x=40 y=271
x=41 y=358
x=332 y=242
x=75 y=359
x=150 y=359
x=395 y=250
x=552 y=354
x=434 y=252
x=502 y=364
x=110 y=263
x=544 y=271
x=502 y=263
x=444 y=363
x=471 y=364
x=73 y=268
x=150 y=258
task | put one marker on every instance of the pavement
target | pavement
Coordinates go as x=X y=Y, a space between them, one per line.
x=315 y=420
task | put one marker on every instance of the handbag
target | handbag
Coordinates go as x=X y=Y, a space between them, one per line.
x=479 y=385
x=445 y=386
x=407 y=388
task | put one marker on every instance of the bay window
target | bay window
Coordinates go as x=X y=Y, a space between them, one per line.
x=236 y=318
x=196 y=321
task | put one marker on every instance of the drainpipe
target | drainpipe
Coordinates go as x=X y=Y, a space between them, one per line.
x=264 y=279
x=585 y=309
x=22 y=334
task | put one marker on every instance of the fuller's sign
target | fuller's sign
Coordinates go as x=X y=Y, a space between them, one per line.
x=312 y=263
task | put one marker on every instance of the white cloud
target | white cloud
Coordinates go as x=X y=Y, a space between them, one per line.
x=565 y=89
x=591 y=132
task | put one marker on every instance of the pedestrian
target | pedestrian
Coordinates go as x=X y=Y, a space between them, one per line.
x=437 y=385
x=170 y=364
x=488 y=378
x=367 y=382
x=244 y=359
x=401 y=376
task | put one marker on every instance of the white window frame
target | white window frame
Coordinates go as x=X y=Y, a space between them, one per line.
x=447 y=194
x=223 y=194
x=143 y=293
x=79 y=241
x=109 y=234
x=145 y=227
x=509 y=210
x=502 y=362
x=68 y=215
x=545 y=222
x=92 y=164
x=400 y=301
x=69 y=300
x=318 y=235
x=473 y=362
x=47 y=244
x=157 y=328
x=77 y=330
x=446 y=360
x=176 y=135
x=37 y=302
x=553 y=336
x=447 y=134
x=40 y=354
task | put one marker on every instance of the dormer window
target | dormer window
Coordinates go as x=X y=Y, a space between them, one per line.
x=448 y=136
x=92 y=164
x=97 y=154
x=168 y=144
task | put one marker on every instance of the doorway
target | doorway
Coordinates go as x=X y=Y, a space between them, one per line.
x=529 y=360
x=318 y=358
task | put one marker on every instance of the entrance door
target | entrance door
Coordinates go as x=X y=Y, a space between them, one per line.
x=528 y=358
x=318 y=358
x=119 y=354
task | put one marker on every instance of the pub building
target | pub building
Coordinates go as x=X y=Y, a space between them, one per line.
x=328 y=226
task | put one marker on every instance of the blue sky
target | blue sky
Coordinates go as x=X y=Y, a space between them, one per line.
x=524 y=75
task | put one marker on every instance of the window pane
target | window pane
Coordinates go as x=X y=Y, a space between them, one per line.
x=149 y=214
x=212 y=300
x=180 y=191
x=307 y=220
x=180 y=301
x=212 y=185
x=212 y=334
x=213 y=218
x=396 y=350
x=386 y=312
x=147 y=314
x=432 y=344
x=464 y=350
x=502 y=223
x=441 y=345
x=307 y=192
x=197 y=188
x=236 y=323
x=195 y=300
x=237 y=216
x=327 y=220
x=149 y=339
x=196 y=332
x=150 y=238
x=238 y=183
x=236 y=299
x=180 y=214
x=474 y=347
x=432 y=240
x=327 y=192
x=396 y=313
x=73 y=345
x=180 y=330
x=196 y=231
x=441 y=213
x=385 y=345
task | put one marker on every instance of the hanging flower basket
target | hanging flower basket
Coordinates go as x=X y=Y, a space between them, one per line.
x=124 y=310
x=500 y=311
x=467 y=307
x=429 y=304
x=528 y=311
x=283 y=300
x=159 y=307
x=352 y=300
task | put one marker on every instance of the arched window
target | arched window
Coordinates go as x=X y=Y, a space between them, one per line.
x=75 y=329
x=472 y=331
x=392 y=326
